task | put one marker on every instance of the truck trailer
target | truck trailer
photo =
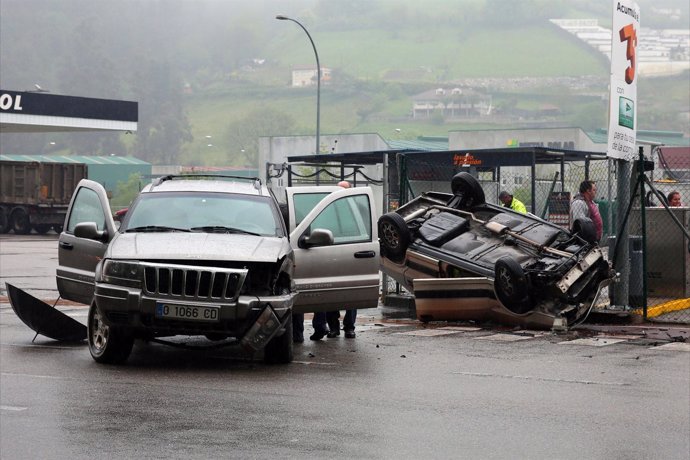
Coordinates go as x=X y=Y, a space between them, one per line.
x=35 y=195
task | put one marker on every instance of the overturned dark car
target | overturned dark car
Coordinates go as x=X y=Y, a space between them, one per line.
x=466 y=259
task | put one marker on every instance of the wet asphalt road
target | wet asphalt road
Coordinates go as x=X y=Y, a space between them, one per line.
x=396 y=391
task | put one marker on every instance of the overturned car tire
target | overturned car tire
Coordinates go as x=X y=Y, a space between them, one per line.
x=510 y=285
x=467 y=190
x=584 y=228
x=394 y=236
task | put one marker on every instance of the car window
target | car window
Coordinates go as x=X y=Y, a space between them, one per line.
x=183 y=210
x=86 y=208
x=304 y=203
x=349 y=218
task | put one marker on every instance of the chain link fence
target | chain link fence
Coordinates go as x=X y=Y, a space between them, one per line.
x=658 y=284
x=659 y=248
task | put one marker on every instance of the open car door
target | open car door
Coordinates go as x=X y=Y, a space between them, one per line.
x=79 y=253
x=336 y=248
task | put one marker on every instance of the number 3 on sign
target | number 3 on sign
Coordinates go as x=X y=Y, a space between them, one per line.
x=629 y=34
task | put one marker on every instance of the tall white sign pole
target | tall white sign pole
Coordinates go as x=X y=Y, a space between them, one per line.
x=623 y=124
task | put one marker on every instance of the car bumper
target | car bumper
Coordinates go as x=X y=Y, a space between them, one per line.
x=129 y=307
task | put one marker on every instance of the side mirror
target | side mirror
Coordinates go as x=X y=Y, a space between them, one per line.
x=90 y=231
x=319 y=237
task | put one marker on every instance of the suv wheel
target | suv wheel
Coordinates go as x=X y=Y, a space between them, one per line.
x=108 y=345
x=510 y=285
x=279 y=350
x=394 y=236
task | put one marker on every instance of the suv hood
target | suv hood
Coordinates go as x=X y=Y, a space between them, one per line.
x=197 y=246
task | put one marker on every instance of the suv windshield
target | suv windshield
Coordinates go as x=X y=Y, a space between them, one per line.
x=203 y=212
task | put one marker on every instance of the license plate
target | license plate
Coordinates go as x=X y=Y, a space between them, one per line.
x=187 y=312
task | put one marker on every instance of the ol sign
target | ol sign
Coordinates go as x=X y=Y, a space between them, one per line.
x=10 y=102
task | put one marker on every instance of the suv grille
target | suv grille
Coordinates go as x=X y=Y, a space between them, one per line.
x=193 y=283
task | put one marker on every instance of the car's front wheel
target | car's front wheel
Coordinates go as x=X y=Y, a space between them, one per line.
x=394 y=236
x=280 y=349
x=510 y=285
x=107 y=344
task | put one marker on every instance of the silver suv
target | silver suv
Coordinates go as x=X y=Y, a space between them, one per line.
x=215 y=258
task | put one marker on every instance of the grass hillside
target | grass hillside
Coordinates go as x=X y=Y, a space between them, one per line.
x=446 y=53
x=378 y=71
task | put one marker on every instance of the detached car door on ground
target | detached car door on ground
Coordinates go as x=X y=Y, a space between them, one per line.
x=344 y=274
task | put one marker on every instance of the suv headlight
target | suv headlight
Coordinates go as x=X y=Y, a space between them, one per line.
x=121 y=272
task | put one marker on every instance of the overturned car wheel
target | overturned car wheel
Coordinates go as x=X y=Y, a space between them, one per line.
x=584 y=228
x=467 y=190
x=510 y=285
x=394 y=236
x=108 y=345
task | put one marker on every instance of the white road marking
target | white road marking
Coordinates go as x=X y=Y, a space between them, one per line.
x=461 y=328
x=542 y=379
x=13 y=408
x=505 y=337
x=314 y=363
x=368 y=327
x=593 y=342
x=76 y=346
x=673 y=346
x=428 y=332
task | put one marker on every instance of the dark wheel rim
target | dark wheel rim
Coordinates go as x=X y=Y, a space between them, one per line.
x=99 y=333
x=390 y=235
x=506 y=282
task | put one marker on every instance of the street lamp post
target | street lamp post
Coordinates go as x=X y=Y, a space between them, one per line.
x=280 y=17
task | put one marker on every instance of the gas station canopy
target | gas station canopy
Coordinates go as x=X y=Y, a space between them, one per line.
x=34 y=112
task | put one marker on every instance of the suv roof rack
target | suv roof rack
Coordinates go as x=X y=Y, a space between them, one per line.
x=256 y=180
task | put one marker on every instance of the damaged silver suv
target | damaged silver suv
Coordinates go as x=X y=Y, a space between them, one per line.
x=197 y=257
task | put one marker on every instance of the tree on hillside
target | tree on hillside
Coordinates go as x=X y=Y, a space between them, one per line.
x=87 y=70
x=243 y=135
x=163 y=126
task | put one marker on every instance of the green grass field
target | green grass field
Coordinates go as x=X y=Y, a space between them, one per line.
x=373 y=60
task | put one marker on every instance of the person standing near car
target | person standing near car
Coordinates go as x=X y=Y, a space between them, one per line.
x=583 y=205
x=509 y=201
x=333 y=317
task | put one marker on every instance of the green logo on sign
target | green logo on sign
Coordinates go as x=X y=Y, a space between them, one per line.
x=626 y=112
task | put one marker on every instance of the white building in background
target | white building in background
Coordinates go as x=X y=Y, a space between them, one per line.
x=306 y=76
x=660 y=52
x=557 y=138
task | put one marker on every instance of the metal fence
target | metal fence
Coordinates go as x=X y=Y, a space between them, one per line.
x=658 y=248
